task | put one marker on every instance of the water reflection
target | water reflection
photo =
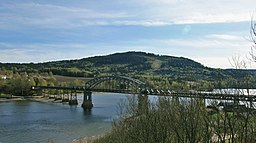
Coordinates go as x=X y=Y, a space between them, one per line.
x=87 y=112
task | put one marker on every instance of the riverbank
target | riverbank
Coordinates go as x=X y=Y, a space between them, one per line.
x=28 y=98
x=41 y=99
x=13 y=98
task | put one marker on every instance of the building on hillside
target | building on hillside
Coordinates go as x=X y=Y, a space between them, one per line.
x=4 y=77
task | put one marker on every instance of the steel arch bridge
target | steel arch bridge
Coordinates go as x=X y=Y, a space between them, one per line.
x=114 y=83
x=127 y=85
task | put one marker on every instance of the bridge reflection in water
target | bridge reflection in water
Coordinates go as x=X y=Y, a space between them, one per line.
x=122 y=84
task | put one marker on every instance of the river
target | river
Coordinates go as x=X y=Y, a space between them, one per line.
x=37 y=122
x=28 y=121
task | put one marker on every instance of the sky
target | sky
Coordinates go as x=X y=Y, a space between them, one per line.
x=209 y=32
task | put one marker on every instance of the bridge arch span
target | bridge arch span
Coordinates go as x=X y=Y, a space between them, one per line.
x=131 y=82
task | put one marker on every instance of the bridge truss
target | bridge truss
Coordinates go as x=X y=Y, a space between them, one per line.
x=121 y=84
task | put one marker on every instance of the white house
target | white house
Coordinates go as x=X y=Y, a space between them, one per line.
x=4 y=77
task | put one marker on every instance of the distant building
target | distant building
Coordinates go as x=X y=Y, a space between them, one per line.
x=4 y=77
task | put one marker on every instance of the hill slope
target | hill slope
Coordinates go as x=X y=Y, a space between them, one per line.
x=130 y=64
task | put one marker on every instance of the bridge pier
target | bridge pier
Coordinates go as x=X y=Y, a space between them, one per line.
x=73 y=99
x=87 y=102
x=65 y=97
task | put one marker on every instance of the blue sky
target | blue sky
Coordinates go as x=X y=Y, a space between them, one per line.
x=210 y=32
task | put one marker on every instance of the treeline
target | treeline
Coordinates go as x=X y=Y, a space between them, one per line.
x=130 y=64
x=172 y=120
x=73 y=72
x=36 y=69
x=165 y=82
x=19 y=84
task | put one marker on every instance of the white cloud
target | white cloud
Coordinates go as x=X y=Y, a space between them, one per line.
x=207 y=44
x=26 y=53
x=53 y=16
x=212 y=50
x=126 y=13
x=223 y=62
x=39 y=52
x=134 y=12
x=194 y=11
x=226 y=37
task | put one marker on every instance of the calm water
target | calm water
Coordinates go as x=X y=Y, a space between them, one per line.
x=25 y=121
x=36 y=122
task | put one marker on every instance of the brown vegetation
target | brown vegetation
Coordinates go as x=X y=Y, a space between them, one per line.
x=181 y=121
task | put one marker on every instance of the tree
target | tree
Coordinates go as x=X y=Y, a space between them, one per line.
x=42 y=82
x=253 y=39
x=1 y=86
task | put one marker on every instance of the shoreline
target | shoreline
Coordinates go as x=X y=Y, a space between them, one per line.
x=29 y=98
x=8 y=99
x=42 y=99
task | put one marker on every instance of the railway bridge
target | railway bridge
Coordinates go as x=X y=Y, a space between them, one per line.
x=127 y=85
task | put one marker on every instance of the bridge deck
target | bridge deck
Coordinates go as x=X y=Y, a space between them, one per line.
x=159 y=92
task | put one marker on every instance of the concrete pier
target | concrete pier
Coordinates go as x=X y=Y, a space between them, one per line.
x=73 y=99
x=65 y=98
x=87 y=102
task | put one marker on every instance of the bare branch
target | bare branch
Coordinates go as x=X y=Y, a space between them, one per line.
x=253 y=38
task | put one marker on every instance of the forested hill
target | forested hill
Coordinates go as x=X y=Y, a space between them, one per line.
x=130 y=64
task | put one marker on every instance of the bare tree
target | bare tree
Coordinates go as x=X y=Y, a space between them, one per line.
x=253 y=39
